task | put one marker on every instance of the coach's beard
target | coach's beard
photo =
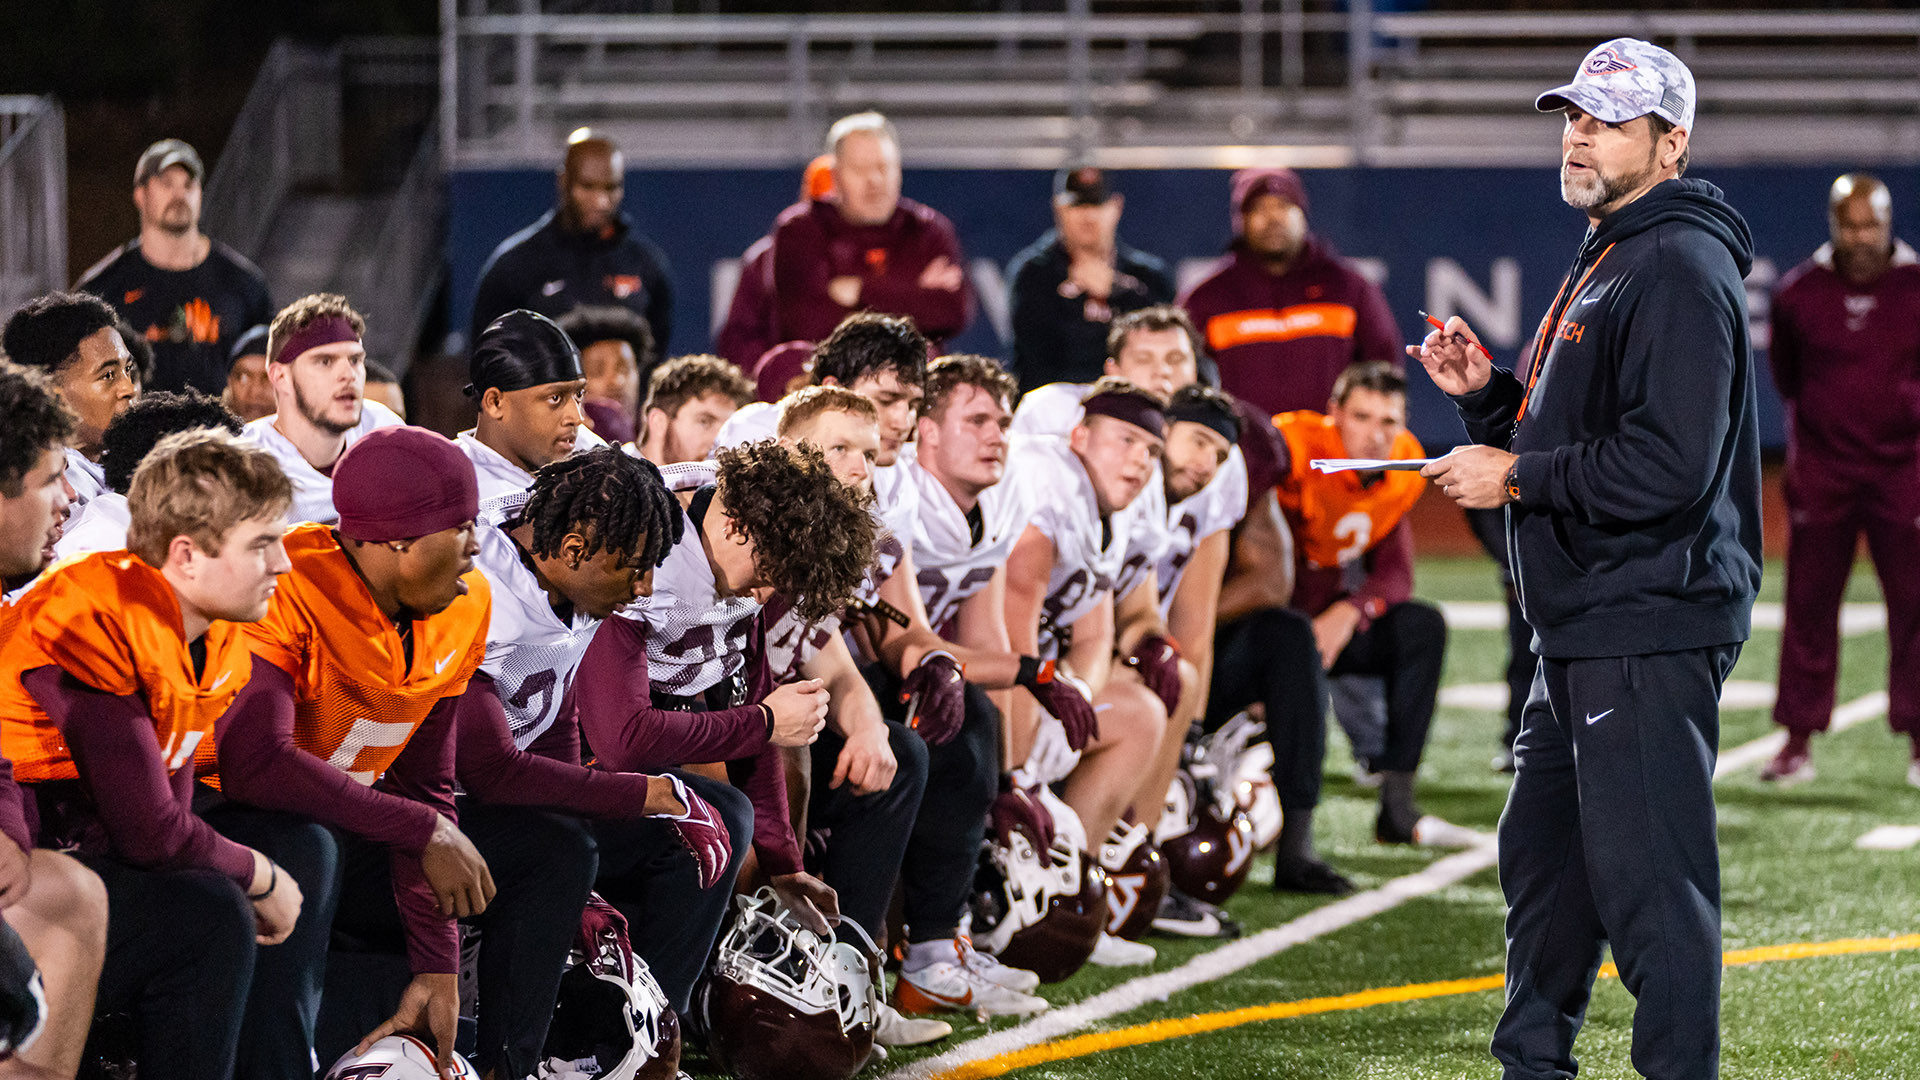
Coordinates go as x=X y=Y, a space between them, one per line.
x=1586 y=191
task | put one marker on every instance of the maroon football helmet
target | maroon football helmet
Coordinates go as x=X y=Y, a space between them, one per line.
x=783 y=1003
x=611 y=1020
x=1041 y=910
x=1137 y=880
x=1210 y=858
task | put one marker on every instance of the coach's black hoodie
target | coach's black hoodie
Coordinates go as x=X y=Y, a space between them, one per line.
x=1638 y=523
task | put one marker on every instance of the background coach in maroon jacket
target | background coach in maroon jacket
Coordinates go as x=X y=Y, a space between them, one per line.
x=866 y=248
x=1281 y=313
x=1846 y=356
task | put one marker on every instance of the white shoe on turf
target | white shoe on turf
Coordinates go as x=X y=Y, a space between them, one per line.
x=1119 y=952
x=891 y=1028
x=1913 y=774
x=955 y=984
x=991 y=969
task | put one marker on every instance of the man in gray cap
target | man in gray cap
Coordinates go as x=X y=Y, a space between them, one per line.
x=190 y=296
x=1628 y=462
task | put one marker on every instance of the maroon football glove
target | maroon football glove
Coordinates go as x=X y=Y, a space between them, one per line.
x=1061 y=699
x=1157 y=659
x=1019 y=810
x=936 y=697
x=703 y=832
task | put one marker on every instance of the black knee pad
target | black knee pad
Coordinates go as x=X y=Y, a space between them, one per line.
x=911 y=757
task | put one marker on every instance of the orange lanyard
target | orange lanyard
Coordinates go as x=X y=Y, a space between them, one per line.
x=1554 y=314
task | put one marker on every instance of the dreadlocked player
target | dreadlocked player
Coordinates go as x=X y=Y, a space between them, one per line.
x=561 y=557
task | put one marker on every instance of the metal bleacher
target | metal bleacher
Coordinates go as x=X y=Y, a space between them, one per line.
x=1147 y=82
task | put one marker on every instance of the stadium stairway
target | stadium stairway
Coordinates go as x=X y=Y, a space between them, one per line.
x=331 y=181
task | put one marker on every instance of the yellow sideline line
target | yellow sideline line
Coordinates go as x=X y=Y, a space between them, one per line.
x=1163 y=1030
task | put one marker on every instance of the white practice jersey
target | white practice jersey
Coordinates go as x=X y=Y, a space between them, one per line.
x=949 y=566
x=496 y=475
x=1087 y=556
x=312 y=489
x=101 y=525
x=532 y=656
x=1165 y=537
x=1054 y=409
x=89 y=481
x=695 y=637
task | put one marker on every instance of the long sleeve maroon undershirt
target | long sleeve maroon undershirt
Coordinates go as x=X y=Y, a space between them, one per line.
x=13 y=809
x=262 y=766
x=146 y=812
x=493 y=770
x=629 y=734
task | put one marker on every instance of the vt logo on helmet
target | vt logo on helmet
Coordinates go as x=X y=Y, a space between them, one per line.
x=397 y=1057
x=783 y=1003
x=1136 y=880
x=1208 y=833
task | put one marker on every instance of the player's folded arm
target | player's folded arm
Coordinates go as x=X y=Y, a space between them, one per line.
x=628 y=734
x=262 y=766
x=148 y=820
x=495 y=771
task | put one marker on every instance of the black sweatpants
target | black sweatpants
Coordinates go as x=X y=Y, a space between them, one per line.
x=963 y=778
x=283 y=1002
x=866 y=834
x=1490 y=528
x=647 y=873
x=1608 y=837
x=1407 y=646
x=180 y=952
x=1269 y=657
x=542 y=865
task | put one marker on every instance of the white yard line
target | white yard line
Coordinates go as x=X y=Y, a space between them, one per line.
x=1209 y=966
x=1864 y=707
x=1238 y=955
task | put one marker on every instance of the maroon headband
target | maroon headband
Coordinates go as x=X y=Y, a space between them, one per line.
x=1132 y=408
x=325 y=330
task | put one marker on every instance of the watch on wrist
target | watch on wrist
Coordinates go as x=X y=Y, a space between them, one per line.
x=1513 y=481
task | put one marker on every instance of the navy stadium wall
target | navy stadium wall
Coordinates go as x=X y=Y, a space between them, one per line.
x=1490 y=244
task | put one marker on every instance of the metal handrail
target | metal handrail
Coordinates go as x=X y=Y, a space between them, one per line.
x=287 y=133
x=33 y=198
x=511 y=79
x=400 y=289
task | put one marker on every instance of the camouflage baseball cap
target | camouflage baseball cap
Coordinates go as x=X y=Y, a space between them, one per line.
x=1625 y=78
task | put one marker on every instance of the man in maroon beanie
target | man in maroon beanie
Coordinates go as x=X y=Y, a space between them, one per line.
x=1281 y=313
x=866 y=248
x=363 y=708
x=1846 y=357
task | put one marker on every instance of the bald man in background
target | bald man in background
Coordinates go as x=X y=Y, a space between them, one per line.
x=1846 y=356
x=584 y=251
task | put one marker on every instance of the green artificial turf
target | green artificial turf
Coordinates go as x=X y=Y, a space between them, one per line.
x=1790 y=874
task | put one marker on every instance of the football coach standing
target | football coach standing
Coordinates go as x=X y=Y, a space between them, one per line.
x=1629 y=464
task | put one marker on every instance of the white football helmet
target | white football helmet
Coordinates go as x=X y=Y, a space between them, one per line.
x=784 y=1002
x=396 y=1057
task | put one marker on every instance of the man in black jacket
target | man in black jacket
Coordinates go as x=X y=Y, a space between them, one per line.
x=1631 y=477
x=582 y=252
x=1067 y=287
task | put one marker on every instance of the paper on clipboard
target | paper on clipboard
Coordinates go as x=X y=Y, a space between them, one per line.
x=1334 y=465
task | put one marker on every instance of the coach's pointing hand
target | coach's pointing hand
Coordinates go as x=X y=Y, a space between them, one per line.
x=1453 y=358
x=1473 y=476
